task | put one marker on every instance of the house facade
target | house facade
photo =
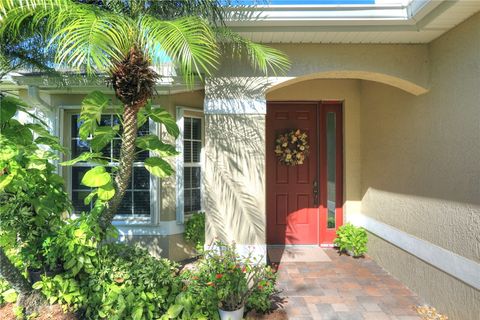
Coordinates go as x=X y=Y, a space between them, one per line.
x=388 y=95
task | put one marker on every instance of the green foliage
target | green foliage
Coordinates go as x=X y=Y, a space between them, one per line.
x=195 y=230
x=228 y=281
x=32 y=200
x=7 y=294
x=351 y=238
x=108 y=281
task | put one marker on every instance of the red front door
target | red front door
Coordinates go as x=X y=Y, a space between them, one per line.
x=304 y=202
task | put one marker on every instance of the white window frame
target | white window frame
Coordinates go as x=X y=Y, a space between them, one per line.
x=181 y=114
x=64 y=114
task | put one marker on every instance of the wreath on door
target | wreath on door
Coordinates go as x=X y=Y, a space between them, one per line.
x=292 y=147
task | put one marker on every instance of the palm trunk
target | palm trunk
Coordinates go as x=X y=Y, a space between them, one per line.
x=127 y=156
x=134 y=82
x=13 y=275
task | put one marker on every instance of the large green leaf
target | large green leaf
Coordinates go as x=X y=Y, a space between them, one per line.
x=162 y=116
x=8 y=108
x=94 y=157
x=92 y=108
x=106 y=192
x=96 y=177
x=158 y=167
x=152 y=143
x=102 y=136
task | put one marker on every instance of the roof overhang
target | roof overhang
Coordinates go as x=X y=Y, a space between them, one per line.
x=386 y=21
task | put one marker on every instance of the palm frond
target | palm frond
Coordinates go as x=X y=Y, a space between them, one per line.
x=260 y=56
x=189 y=42
x=83 y=35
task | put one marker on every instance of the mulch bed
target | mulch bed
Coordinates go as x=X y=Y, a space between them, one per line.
x=54 y=312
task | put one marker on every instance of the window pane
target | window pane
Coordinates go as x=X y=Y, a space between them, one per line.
x=75 y=126
x=187 y=128
x=126 y=205
x=117 y=143
x=144 y=129
x=196 y=177
x=142 y=203
x=197 y=148
x=106 y=120
x=77 y=201
x=141 y=178
x=77 y=175
x=142 y=155
x=78 y=147
x=187 y=151
x=331 y=168
x=187 y=178
x=187 y=195
x=196 y=129
x=196 y=201
x=107 y=151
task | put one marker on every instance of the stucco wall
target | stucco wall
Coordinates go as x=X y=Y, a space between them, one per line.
x=420 y=169
x=347 y=91
x=235 y=178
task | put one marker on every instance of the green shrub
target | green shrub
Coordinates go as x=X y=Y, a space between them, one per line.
x=107 y=281
x=351 y=238
x=195 y=230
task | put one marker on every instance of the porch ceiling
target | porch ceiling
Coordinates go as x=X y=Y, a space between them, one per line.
x=419 y=21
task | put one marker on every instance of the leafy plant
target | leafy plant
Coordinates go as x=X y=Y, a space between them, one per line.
x=228 y=281
x=112 y=281
x=32 y=199
x=195 y=230
x=351 y=238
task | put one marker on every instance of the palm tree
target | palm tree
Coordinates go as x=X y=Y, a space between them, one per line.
x=124 y=38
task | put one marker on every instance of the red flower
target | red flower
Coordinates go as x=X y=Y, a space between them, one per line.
x=244 y=269
x=219 y=276
x=260 y=287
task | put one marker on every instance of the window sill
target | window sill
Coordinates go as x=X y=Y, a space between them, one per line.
x=163 y=228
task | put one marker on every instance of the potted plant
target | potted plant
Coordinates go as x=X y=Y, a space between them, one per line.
x=352 y=240
x=233 y=281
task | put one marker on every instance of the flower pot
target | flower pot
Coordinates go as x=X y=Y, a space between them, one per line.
x=231 y=315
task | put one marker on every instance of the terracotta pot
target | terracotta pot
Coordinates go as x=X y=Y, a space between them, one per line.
x=231 y=315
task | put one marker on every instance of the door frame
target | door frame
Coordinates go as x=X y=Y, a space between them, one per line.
x=325 y=239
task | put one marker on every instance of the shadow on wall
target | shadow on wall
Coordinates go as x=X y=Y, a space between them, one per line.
x=234 y=195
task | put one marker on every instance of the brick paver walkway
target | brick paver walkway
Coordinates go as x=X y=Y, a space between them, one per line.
x=344 y=288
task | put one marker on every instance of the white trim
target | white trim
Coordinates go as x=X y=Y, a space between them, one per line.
x=455 y=265
x=164 y=228
x=236 y=106
x=180 y=214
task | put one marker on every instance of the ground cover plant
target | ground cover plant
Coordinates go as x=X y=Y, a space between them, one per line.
x=352 y=239
x=195 y=230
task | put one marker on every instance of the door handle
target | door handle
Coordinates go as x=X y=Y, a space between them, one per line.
x=315 y=192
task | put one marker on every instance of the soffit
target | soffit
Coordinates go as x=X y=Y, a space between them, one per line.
x=420 y=21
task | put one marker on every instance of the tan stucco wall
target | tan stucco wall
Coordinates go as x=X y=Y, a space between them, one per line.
x=235 y=178
x=347 y=91
x=420 y=169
